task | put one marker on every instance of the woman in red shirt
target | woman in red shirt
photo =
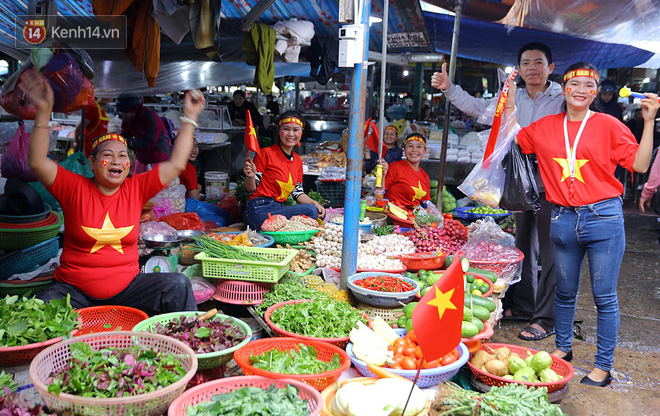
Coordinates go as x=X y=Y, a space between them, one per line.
x=577 y=152
x=277 y=173
x=406 y=183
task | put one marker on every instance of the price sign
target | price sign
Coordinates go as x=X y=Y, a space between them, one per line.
x=34 y=31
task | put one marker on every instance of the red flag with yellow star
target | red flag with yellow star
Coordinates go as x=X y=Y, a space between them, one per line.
x=371 y=139
x=437 y=318
x=251 y=141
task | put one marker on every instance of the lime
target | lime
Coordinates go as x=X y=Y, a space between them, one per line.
x=476 y=292
x=407 y=310
x=401 y=322
x=409 y=326
x=425 y=290
x=484 y=289
x=469 y=277
x=432 y=278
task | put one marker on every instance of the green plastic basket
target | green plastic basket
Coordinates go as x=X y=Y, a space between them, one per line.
x=249 y=270
x=23 y=288
x=22 y=238
x=209 y=359
x=290 y=237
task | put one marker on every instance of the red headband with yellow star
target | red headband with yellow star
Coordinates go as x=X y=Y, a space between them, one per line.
x=393 y=128
x=292 y=120
x=106 y=137
x=582 y=72
x=414 y=137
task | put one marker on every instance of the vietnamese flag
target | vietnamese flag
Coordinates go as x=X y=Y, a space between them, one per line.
x=372 y=139
x=438 y=317
x=251 y=141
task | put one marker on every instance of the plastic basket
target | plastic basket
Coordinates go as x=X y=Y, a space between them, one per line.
x=340 y=342
x=560 y=367
x=249 y=270
x=476 y=276
x=290 y=237
x=109 y=318
x=427 y=376
x=29 y=259
x=204 y=392
x=422 y=261
x=22 y=238
x=376 y=298
x=240 y=293
x=324 y=350
x=462 y=212
x=390 y=314
x=23 y=354
x=56 y=357
x=333 y=192
x=474 y=343
x=207 y=360
x=25 y=287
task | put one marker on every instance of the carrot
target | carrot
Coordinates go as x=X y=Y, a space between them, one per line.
x=380 y=372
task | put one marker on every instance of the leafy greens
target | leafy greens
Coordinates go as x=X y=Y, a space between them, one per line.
x=303 y=361
x=249 y=401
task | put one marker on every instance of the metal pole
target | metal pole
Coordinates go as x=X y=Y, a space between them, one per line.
x=383 y=78
x=445 y=124
x=354 y=156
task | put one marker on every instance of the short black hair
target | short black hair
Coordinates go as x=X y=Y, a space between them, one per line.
x=536 y=46
x=239 y=92
x=269 y=96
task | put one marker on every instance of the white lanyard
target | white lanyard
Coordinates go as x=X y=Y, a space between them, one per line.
x=571 y=155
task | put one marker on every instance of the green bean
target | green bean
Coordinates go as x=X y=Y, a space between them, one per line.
x=217 y=249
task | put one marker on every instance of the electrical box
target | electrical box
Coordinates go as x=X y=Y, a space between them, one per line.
x=351 y=45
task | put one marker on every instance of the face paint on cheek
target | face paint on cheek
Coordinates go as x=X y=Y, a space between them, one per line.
x=569 y=89
x=298 y=135
x=282 y=134
x=105 y=162
x=127 y=164
x=592 y=92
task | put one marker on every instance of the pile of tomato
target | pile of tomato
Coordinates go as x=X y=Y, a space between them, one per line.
x=408 y=355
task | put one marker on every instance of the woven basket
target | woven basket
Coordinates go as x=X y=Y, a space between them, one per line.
x=240 y=293
x=390 y=314
x=207 y=360
x=109 y=318
x=290 y=237
x=22 y=238
x=204 y=392
x=381 y=299
x=29 y=259
x=560 y=366
x=324 y=350
x=56 y=357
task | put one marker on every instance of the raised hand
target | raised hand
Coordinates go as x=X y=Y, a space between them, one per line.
x=440 y=80
x=37 y=89
x=249 y=168
x=194 y=103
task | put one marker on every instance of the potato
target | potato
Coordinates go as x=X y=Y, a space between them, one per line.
x=502 y=352
x=496 y=367
x=480 y=358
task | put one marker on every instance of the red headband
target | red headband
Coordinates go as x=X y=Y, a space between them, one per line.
x=292 y=120
x=393 y=128
x=413 y=138
x=582 y=72
x=106 y=137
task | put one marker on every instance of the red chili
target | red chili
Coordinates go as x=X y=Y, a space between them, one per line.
x=385 y=283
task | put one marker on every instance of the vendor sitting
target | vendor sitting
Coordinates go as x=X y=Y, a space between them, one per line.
x=406 y=184
x=393 y=154
x=276 y=174
x=188 y=177
x=99 y=262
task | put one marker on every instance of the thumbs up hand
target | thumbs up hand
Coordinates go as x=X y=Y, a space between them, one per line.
x=440 y=80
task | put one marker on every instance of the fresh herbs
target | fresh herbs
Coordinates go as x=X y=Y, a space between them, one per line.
x=11 y=404
x=213 y=248
x=6 y=380
x=113 y=372
x=323 y=318
x=384 y=230
x=291 y=289
x=30 y=320
x=248 y=401
x=205 y=336
x=317 y=197
x=303 y=361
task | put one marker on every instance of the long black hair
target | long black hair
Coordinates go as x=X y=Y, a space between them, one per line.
x=595 y=105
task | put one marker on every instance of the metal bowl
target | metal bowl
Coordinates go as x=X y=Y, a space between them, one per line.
x=161 y=241
x=377 y=218
x=187 y=235
x=365 y=235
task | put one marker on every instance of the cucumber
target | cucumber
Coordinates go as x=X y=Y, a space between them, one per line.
x=478 y=300
x=468 y=330
x=480 y=312
x=448 y=260
x=465 y=264
x=485 y=273
x=467 y=314
x=478 y=323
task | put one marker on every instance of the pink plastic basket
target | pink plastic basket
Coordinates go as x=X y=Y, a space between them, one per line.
x=23 y=354
x=239 y=292
x=56 y=357
x=204 y=392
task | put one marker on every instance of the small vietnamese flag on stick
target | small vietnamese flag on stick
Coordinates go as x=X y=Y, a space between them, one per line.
x=371 y=139
x=251 y=141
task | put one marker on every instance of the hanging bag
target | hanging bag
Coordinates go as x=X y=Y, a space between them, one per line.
x=15 y=160
x=520 y=192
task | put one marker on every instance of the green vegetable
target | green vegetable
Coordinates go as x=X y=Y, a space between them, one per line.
x=384 y=230
x=248 y=401
x=485 y=273
x=469 y=277
x=401 y=322
x=515 y=364
x=468 y=330
x=478 y=322
x=478 y=300
x=467 y=314
x=433 y=184
x=449 y=260
x=548 y=375
x=214 y=248
x=291 y=289
x=7 y=380
x=30 y=320
x=409 y=325
x=324 y=318
x=303 y=361
x=525 y=374
x=317 y=197
x=480 y=312
x=408 y=309
x=541 y=361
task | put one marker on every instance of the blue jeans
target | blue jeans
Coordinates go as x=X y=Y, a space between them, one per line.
x=597 y=231
x=258 y=209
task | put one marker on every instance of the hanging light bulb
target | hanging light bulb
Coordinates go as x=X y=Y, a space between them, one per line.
x=405 y=71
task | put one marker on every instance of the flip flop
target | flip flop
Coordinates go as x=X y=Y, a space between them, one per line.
x=538 y=334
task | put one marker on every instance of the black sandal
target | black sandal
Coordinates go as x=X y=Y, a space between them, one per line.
x=537 y=334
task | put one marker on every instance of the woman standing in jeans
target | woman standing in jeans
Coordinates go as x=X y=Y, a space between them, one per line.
x=276 y=174
x=577 y=152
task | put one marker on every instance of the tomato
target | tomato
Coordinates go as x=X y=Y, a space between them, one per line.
x=418 y=352
x=399 y=342
x=398 y=349
x=397 y=358
x=456 y=353
x=409 y=351
x=448 y=359
x=412 y=336
x=432 y=364
x=408 y=363
x=434 y=225
x=396 y=366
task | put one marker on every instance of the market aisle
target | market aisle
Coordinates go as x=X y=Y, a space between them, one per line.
x=638 y=353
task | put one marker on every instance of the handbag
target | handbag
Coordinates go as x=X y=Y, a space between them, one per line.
x=520 y=192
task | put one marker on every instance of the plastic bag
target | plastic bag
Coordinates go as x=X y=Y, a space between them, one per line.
x=15 y=160
x=175 y=192
x=163 y=207
x=520 y=192
x=209 y=212
x=184 y=221
x=72 y=91
x=202 y=289
x=229 y=203
x=13 y=100
x=428 y=215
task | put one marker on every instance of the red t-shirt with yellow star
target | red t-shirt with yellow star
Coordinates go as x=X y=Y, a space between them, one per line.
x=100 y=255
x=405 y=185
x=279 y=174
x=605 y=142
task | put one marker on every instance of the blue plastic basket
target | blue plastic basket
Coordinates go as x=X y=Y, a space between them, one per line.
x=463 y=212
x=428 y=377
x=376 y=298
x=29 y=259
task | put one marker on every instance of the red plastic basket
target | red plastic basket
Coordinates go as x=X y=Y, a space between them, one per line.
x=324 y=350
x=23 y=354
x=473 y=344
x=560 y=366
x=340 y=342
x=204 y=392
x=109 y=318
x=239 y=292
x=422 y=261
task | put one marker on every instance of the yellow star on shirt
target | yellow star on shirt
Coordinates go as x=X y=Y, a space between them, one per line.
x=442 y=301
x=419 y=192
x=566 y=172
x=286 y=187
x=107 y=235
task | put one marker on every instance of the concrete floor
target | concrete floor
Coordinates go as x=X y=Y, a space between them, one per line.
x=636 y=389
